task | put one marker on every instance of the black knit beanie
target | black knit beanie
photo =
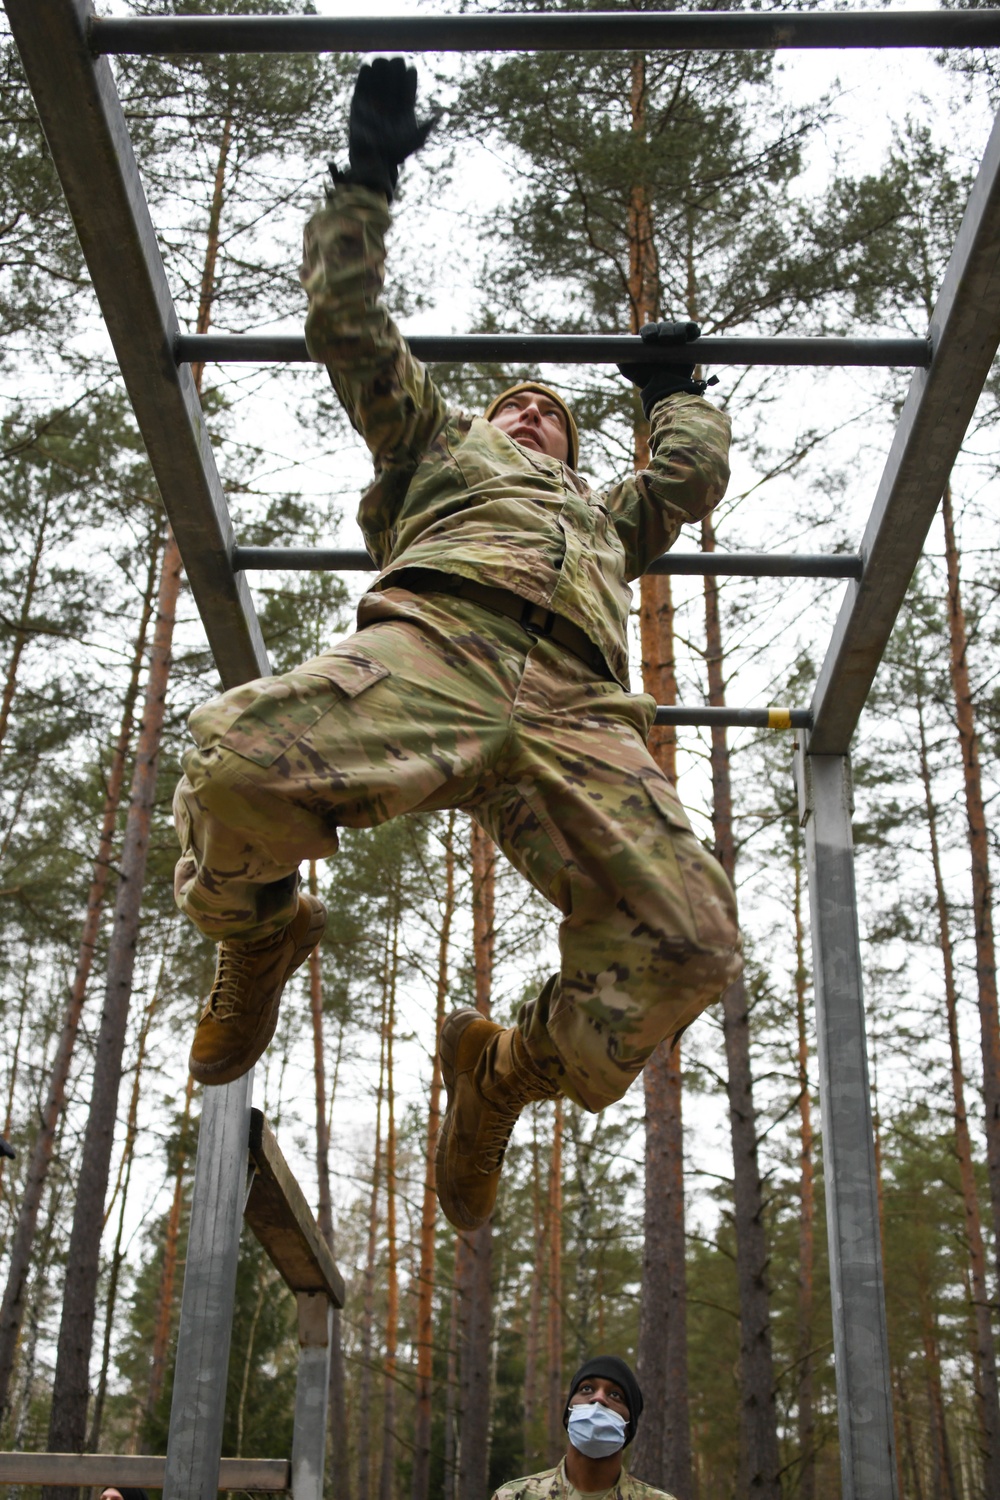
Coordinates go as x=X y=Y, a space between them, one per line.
x=612 y=1368
x=128 y=1492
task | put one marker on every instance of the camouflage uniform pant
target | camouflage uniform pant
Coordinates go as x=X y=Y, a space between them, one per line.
x=439 y=702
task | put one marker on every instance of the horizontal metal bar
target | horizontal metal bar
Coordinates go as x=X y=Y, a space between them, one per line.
x=302 y=559
x=716 y=564
x=88 y=137
x=577 y=349
x=965 y=328
x=562 y=31
x=759 y=564
x=737 y=718
x=145 y=1470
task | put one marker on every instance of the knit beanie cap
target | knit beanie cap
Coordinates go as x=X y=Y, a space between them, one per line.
x=128 y=1492
x=572 y=432
x=612 y=1368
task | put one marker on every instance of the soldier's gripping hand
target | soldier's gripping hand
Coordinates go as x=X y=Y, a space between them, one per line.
x=656 y=381
x=382 y=129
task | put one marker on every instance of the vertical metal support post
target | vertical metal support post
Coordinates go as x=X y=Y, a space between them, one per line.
x=311 y=1395
x=198 y=1407
x=860 y=1338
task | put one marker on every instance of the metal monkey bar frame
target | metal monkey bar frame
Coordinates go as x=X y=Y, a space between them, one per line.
x=62 y=44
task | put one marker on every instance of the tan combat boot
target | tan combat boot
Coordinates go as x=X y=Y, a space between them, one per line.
x=242 y=1009
x=490 y=1077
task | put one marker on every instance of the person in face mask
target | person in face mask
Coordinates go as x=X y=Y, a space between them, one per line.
x=602 y=1411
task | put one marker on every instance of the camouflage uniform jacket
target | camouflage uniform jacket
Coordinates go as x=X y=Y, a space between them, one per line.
x=553 y=1484
x=454 y=493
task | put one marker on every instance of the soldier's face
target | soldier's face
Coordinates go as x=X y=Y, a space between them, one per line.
x=607 y=1392
x=534 y=421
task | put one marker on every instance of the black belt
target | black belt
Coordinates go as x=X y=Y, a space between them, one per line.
x=534 y=618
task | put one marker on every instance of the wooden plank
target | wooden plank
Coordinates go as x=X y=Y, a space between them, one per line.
x=283 y=1222
x=145 y=1470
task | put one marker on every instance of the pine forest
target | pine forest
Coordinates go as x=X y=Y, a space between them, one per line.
x=683 y=1228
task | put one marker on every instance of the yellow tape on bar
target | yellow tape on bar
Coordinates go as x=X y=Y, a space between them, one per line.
x=779 y=718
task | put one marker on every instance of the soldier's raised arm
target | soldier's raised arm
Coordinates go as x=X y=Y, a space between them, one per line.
x=387 y=393
x=689 y=454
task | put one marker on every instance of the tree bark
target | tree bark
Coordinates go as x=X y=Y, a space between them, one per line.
x=555 y=1394
x=15 y=1061
x=474 y=1261
x=21 y=626
x=662 y=1453
x=13 y=1307
x=368 y=1290
x=987 y=1394
x=982 y=887
x=758 y=1417
x=387 y=1469
x=339 y=1458
x=807 y=1203
x=451 y=1455
x=533 y=1447
x=68 y=1424
x=118 y=1256
x=422 y=1419
x=168 y=1276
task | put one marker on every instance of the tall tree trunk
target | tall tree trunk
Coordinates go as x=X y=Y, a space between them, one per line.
x=944 y=1478
x=163 y=1322
x=340 y=1458
x=68 y=1424
x=388 y=1469
x=662 y=1454
x=428 y=1216
x=474 y=1263
x=758 y=1417
x=451 y=1455
x=982 y=888
x=807 y=1203
x=583 y=1232
x=118 y=1254
x=533 y=1446
x=21 y=628
x=27 y=986
x=555 y=1393
x=880 y=1203
x=987 y=1395
x=12 y=1309
x=368 y=1289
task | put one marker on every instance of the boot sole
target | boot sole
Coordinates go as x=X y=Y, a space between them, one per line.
x=451 y=1034
x=217 y=1074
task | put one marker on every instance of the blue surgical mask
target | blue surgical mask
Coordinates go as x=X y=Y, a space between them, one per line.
x=595 y=1429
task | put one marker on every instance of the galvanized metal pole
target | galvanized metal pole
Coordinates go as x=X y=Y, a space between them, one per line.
x=311 y=1395
x=860 y=1338
x=577 y=349
x=197 y=1410
x=538 y=31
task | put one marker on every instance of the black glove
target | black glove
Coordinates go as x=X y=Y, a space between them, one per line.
x=656 y=381
x=382 y=129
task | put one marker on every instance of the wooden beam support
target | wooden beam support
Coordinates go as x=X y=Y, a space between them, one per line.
x=283 y=1222
x=145 y=1470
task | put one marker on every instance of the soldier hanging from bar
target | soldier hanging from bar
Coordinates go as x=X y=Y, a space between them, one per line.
x=489 y=672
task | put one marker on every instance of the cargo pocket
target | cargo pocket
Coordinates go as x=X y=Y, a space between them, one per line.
x=709 y=894
x=282 y=709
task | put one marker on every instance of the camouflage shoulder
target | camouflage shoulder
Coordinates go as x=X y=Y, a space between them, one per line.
x=630 y=1488
x=544 y=1486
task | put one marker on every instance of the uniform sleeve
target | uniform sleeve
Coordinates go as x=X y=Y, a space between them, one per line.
x=387 y=393
x=687 y=477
